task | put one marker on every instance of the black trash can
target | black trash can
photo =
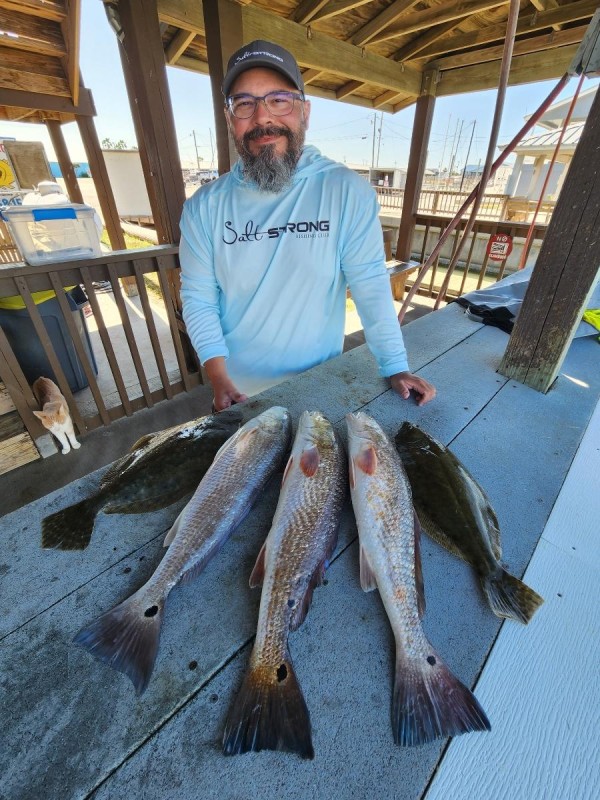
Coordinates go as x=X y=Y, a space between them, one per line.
x=28 y=350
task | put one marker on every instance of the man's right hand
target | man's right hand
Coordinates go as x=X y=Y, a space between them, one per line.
x=225 y=393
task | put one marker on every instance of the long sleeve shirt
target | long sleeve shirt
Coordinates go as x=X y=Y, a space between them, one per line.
x=264 y=275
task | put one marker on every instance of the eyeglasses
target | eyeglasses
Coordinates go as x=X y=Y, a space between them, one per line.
x=243 y=106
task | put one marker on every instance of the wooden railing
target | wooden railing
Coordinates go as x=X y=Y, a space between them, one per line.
x=142 y=391
x=474 y=261
x=493 y=206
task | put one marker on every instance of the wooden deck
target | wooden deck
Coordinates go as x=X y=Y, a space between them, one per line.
x=73 y=728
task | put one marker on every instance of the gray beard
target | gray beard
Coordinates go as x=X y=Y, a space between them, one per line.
x=269 y=171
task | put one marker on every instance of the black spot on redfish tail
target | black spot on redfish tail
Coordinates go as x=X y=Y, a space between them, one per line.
x=269 y=713
x=72 y=527
x=126 y=639
x=509 y=597
x=431 y=703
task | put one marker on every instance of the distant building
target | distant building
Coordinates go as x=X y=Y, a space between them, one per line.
x=535 y=153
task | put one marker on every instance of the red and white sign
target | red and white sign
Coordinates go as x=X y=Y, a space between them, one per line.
x=499 y=246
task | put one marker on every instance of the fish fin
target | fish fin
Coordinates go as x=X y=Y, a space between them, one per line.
x=419 y=581
x=302 y=607
x=494 y=534
x=116 y=469
x=145 y=440
x=155 y=503
x=366 y=460
x=437 y=534
x=368 y=581
x=309 y=461
x=71 y=528
x=287 y=469
x=173 y=530
x=351 y=473
x=509 y=597
x=126 y=639
x=431 y=703
x=258 y=573
x=269 y=713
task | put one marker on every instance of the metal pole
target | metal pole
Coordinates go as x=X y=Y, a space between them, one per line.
x=196 y=148
x=467 y=158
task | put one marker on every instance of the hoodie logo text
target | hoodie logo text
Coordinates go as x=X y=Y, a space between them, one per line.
x=250 y=231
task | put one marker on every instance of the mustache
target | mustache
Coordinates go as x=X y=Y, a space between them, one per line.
x=267 y=130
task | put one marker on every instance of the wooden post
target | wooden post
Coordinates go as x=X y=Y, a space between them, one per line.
x=143 y=61
x=224 y=35
x=565 y=273
x=62 y=154
x=416 y=164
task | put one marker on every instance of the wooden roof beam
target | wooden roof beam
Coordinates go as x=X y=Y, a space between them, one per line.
x=178 y=45
x=544 y=5
x=419 y=43
x=336 y=7
x=306 y=10
x=355 y=100
x=192 y=65
x=188 y=16
x=348 y=89
x=309 y=75
x=422 y=20
x=573 y=12
x=323 y=52
x=386 y=98
x=44 y=9
x=381 y=21
x=23 y=32
x=45 y=102
x=546 y=65
x=532 y=45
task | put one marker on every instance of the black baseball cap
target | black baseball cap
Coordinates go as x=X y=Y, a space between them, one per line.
x=262 y=54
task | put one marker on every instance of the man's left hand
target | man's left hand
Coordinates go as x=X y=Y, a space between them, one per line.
x=403 y=382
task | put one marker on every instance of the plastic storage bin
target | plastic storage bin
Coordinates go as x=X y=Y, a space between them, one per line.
x=46 y=234
x=28 y=350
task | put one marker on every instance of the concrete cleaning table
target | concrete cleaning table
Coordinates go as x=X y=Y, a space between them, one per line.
x=74 y=728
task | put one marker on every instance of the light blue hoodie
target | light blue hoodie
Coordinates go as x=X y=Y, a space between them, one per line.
x=264 y=275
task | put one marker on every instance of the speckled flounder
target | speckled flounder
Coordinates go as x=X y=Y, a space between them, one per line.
x=455 y=511
x=429 y=701
x=126 y=638
x=269 y=712
x=160 y=469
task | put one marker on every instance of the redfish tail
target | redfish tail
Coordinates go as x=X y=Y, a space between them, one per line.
x=71 y=528
x=431 y=703
x=126 y=638
x=509 y=597
x=269 y=713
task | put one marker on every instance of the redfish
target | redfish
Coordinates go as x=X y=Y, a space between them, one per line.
x=270 y=712
x=428 y=701
x=127 y=637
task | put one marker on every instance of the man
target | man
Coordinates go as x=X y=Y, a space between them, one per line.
x=268 y=249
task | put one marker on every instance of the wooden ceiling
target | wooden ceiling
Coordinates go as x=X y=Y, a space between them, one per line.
x=382 y=54
x=39 y=61
x=376 y=53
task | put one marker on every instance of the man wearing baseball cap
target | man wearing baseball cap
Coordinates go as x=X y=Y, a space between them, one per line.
x=268 y=249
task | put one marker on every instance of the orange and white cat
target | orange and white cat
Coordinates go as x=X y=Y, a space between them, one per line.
x=55 y=413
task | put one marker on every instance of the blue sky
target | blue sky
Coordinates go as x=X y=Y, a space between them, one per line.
x=341 y=131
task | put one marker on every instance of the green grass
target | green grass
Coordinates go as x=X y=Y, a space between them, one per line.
x=131 y=242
